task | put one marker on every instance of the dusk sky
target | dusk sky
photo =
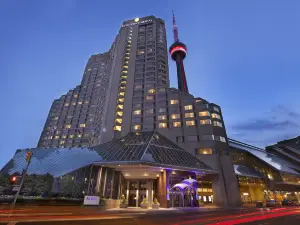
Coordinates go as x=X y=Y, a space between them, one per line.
x=242 y=55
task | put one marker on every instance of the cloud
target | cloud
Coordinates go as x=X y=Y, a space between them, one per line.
x=265 y=124
x=277 y=124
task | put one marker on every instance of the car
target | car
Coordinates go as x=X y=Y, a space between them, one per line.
x=273 y=203
x=287 y=202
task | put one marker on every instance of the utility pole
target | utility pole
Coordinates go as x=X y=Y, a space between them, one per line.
x=28 y=160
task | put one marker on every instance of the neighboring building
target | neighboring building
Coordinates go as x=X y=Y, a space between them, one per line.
x=288 y=149
x=263 y=175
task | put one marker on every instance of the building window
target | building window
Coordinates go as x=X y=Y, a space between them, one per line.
x=188 y=107
x=119 y=120
x=189 y=115
x=198 y=100
x=137 y=112
x=208 y=137
x=121 y=93
x=67 y=104
x=71 y=136
x=190 y=123
x=149 y=97
x=215 y=116
x=205 y=122
x=138 y=87
x=205 y=113
x=174 y=102
x=137 y=127
x=179 y=139
x=205 y=151
x=79 y=103
x=162 y=125
x=56 y=137
x=68 y=126
x=161 y=110
x=149 y=111
x=162 y=117
x=175 y=116
x=119 y=113
x=220 y=138
x=73 y=103
x=216 y=109
x=120 y=106
x=161 y=90
x=176 y=124
x=61 y=142
x=121 y=100
x=151 y=91
x=217 y=124
x=192 y=138
x=118 y=128
x=82 y=125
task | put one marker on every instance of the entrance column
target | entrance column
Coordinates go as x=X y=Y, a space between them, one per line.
x=99 y=180
x=149 y=192
x=164 y=188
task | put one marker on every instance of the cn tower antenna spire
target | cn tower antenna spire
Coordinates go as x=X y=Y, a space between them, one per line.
x=175 y=28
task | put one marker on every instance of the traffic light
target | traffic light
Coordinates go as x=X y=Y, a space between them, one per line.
x=28 y=156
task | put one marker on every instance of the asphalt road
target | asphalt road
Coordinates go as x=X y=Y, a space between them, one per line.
x=280 y=216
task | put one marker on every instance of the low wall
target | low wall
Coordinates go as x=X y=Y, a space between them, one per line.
x=112 y=203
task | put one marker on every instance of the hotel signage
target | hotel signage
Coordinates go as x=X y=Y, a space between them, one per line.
x=137 y=21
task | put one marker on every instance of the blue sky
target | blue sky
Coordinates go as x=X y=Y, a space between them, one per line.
x=242 y=55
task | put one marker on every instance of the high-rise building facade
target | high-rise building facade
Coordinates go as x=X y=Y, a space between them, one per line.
x=127 y=89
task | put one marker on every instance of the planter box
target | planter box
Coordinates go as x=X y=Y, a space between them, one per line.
x=144 y=206
x=123 y=205
x=155 y=206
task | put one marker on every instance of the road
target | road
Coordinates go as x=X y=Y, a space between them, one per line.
x=93 y=216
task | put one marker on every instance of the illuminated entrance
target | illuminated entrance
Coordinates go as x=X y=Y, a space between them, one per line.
x=184 y=194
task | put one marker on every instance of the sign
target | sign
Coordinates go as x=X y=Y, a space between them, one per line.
x=91 y=200
x=16 y=188
x=136 y=22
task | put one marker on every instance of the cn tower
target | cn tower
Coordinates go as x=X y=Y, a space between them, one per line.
x=178 y=52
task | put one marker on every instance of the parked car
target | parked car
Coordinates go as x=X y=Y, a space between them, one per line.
x=287 y=202
x=273 y=203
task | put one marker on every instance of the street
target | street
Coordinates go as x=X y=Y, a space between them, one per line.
x=186 y=216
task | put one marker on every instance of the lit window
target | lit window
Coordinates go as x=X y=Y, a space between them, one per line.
x=205 y=151
x=151 y=91
x=79 y=103
x=122 y=88
x=55 y=118
x=64 y=136
x=175 y=116
x=198 y=100
x=149 y=97
x=124 y=71
x=206 y=113
x=68 y=126
x=217 y=124
x=86 y=102
x=176 y=124
x=127 y=58
x=121 y=99
x=215 y=116
x=73 y=103
x=82 y=125
x=220 y=138
x=189 y=115
x=162 y=117
x=56 y=137
x=188 y=107
x=216 y=109
x=125 y=67
x=118 y=120
x=123 y=82
x=120 y=106
x=67 y=104
x=118 y=128
x=136 y=87
x=121 y=93
x=71 y=136
x=50 y=137
x=123 y=76
x=119 y=113
x=205 y=122
x=173 y=102
x=137 y=127
x=61 y=142
x=79 y=135
x=162 y=125
x=190 y=123
x=75 y=96
x=137 y=112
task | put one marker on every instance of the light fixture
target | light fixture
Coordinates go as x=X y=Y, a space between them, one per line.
x=161 y=170
x=136 y=20
x=157 y=175
x=145 y=174
x=173 y=172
